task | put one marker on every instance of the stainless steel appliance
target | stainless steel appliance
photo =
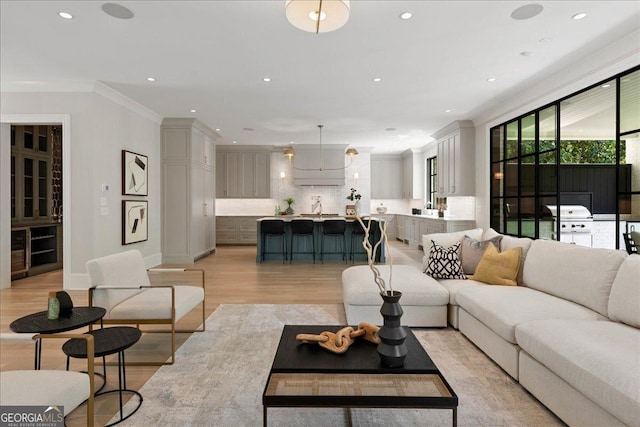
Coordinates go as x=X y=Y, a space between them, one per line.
x=576 y=224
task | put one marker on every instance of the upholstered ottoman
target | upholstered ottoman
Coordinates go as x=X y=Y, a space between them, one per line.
x=423 y=301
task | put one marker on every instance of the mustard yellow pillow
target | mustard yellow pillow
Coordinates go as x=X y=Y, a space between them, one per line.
x=498 y=268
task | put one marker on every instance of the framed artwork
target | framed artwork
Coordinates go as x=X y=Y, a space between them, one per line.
x=134 y=174
x=135 y=226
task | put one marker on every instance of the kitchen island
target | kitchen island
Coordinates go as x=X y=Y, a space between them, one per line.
x=303 y=248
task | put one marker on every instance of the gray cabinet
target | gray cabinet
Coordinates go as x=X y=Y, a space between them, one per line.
x=413 y=175
x=243 y=173
x=456 y=159
x=411 y=228
x=237 y=230
x=188 y=190
x=386 y=177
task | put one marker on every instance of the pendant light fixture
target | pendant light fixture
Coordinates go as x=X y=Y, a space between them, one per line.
x=291 y=153
x=318 y=16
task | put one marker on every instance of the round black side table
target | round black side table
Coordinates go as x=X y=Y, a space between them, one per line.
x=109 y=341
x=37 y=323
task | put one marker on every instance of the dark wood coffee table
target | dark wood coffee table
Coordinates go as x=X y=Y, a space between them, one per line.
x=305 y=375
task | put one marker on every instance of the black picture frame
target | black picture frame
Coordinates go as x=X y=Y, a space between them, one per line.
x=135 y=223
x=135 y=174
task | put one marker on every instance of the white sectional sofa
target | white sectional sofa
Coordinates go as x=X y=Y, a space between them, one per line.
x=569 y=332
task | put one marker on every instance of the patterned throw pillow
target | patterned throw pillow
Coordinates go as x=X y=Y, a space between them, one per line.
x=444 y=263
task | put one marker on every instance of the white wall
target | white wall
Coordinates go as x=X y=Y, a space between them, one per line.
x=100 y=129
x=616 y=58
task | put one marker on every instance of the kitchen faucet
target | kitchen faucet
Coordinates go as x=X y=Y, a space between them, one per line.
x=316 y=205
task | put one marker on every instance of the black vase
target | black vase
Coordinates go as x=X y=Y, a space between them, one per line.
x=391 y=349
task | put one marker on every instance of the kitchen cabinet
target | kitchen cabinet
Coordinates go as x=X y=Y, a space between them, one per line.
x=412 y=175
x=243 y=174
x=236 y=230
x=456 y=159
x=390 y=221
x=413 y=227
x=386 y=177
x=188 y=190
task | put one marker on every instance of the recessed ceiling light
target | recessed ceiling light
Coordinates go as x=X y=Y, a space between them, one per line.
x=65 y=15
x=151 y=79
x=406 y=15
x=447 y=111
x=579 y=16
x=390 y=129
x=248 y=129
x=491 y=79
x=527 y=11
x=235 y=142
x=192 y=110
x=266 y=79
x=526 y=53
x=606 y=85
x=290 y=142
x=377 y=79
x=117 y=11
x=545 y=40
x=217 y=129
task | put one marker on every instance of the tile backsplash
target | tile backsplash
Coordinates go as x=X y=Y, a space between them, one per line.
x=334 y=198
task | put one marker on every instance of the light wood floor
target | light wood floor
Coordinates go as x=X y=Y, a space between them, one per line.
x=232 y=277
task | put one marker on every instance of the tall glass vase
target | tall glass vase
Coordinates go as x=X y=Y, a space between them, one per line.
x=392 y=349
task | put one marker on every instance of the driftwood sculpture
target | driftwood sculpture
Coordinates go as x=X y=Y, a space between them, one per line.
x=340 y=341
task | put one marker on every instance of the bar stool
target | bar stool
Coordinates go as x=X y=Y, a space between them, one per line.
x=302 y=228
x=334 y=228
x=357 y=233
x=272 y=227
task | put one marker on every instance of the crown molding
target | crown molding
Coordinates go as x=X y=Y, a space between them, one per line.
x=80 y=86
x=126 y=102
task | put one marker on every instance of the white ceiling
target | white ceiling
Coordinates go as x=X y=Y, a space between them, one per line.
x=212 y=56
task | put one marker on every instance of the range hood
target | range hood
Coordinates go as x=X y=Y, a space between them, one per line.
x=308 y=157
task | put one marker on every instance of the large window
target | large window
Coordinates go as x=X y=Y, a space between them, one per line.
x=580 y=150
x=431 y=184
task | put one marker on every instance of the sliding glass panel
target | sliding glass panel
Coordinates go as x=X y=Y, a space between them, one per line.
x=511 y=178
x=547 y=224
x=497 y=214
x=547 y=129
x=528 y=141
x=497 y=178
x=630 y=157
x=630 y=102
x=512 y=140
x=528 y=176
x=527 y=216
x=497 y=146
x=512 y=215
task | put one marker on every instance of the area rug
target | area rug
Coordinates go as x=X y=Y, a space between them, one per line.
x=220 y=374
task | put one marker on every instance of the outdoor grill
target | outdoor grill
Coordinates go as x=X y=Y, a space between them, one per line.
x=576 y=223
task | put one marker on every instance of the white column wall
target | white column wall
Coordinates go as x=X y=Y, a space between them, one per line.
x=100 y=129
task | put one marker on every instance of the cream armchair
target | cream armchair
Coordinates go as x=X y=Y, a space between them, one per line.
x=120 y=283
x=49 y=387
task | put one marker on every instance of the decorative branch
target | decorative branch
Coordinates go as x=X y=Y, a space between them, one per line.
x=372 y=250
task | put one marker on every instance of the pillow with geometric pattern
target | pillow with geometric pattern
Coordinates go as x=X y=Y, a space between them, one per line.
x=444 y=263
